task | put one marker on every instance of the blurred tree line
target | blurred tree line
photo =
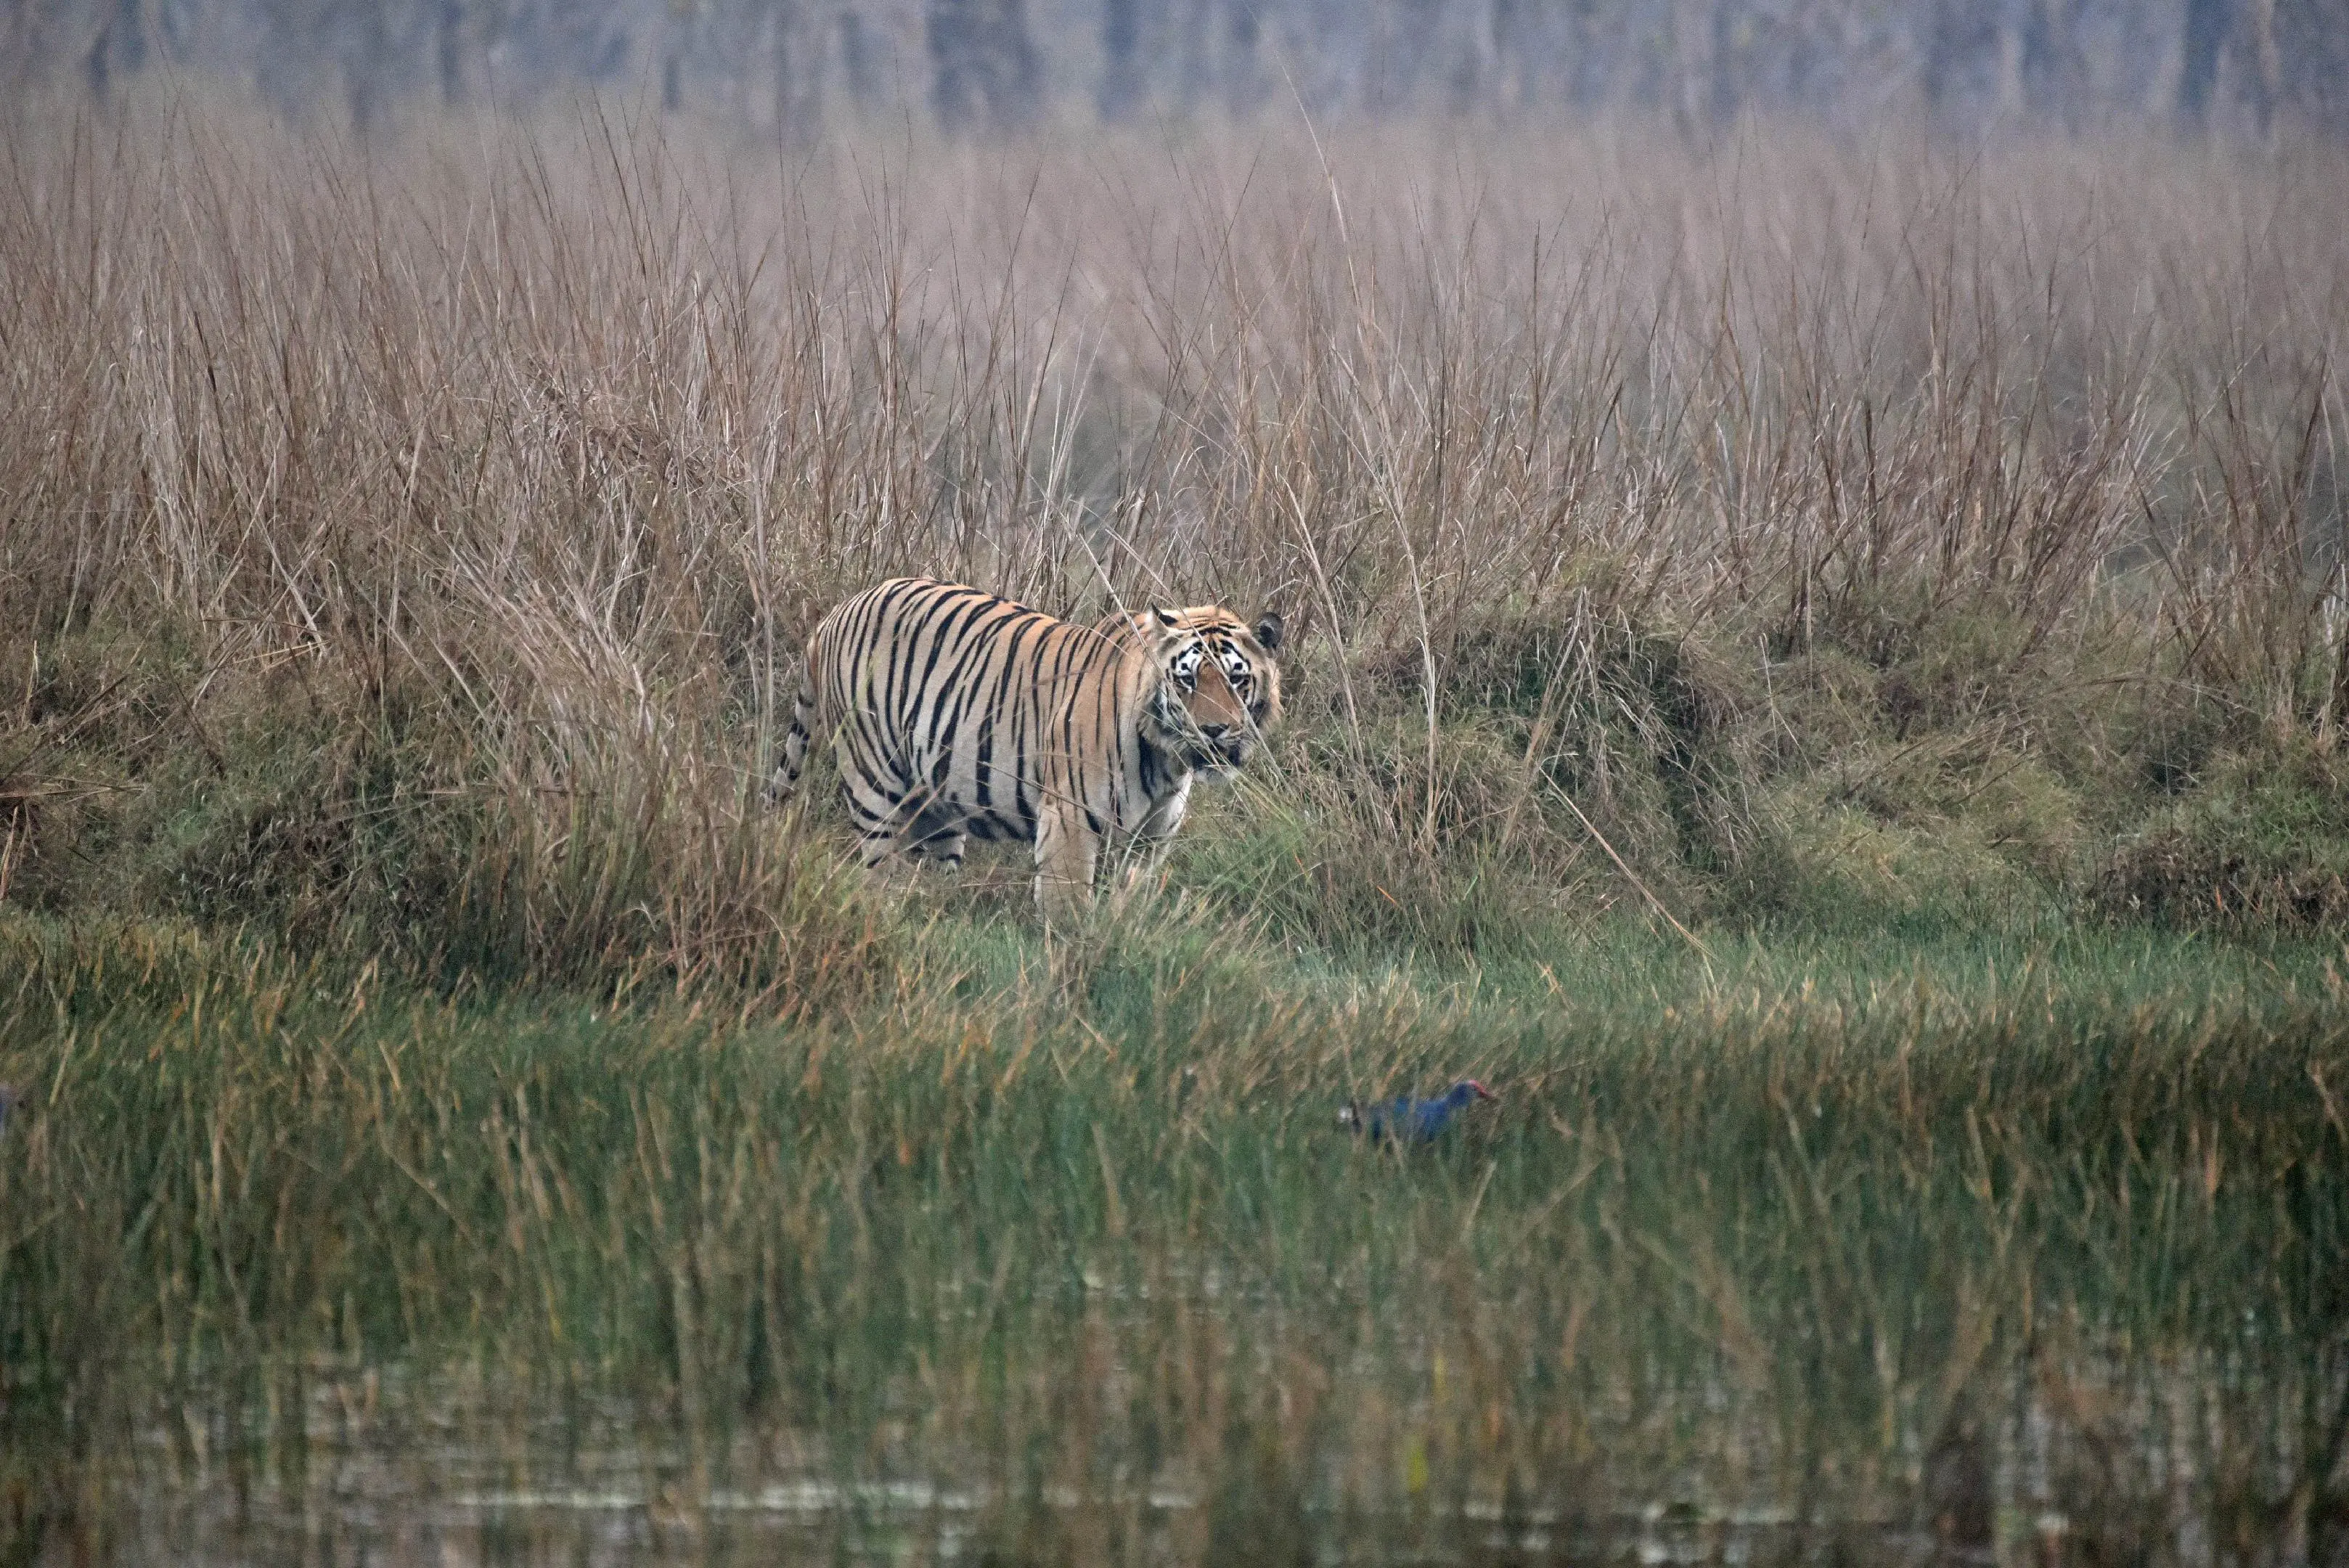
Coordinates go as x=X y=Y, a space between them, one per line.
x=792 y=66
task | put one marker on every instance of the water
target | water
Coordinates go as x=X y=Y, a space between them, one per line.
x=2195 y=1461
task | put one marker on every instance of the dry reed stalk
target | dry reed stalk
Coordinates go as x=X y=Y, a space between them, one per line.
x=556 y=437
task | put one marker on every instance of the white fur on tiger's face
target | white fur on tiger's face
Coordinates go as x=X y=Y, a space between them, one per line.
x=957 y=714
x=1221 y=689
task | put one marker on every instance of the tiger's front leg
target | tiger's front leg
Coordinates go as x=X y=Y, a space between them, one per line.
x=1138 y=863
x=1142 y=854
x=1066 y=851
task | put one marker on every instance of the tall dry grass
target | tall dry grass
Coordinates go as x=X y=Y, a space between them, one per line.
x=412 y=540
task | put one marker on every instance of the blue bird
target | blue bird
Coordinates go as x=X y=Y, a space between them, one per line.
x=7 y=1102
x=1414 y=1121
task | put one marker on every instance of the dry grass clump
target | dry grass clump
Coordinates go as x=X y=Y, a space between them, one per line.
x=418 y=536
x=2265 y=841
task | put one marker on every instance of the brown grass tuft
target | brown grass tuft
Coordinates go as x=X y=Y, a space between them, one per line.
x=442 y=519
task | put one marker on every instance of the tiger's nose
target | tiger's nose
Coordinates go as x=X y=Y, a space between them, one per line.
x=1215 y=732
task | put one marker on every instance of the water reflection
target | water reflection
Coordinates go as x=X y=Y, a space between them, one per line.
x=2193 y=1461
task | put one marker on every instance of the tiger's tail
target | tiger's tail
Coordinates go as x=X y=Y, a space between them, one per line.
x=785 y=781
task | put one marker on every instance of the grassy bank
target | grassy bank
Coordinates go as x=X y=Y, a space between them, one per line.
x=403 y=547
x=1071 y=1237
x=1819 y=672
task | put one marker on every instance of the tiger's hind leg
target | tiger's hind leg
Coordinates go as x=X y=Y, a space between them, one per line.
x=938 y=837
x=882 y=804
x=944 y=852
x=900 y=829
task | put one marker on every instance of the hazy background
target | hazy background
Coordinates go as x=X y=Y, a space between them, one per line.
x=789 y=68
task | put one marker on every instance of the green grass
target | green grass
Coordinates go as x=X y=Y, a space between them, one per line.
x=1053 y=1225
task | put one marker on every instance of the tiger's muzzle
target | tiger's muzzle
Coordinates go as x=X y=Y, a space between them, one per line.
x=1216 y=747
x=1226 y=749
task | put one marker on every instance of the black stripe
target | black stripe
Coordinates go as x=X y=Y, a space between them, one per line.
x=904 y=634
x=959 y=682
x=983 y=771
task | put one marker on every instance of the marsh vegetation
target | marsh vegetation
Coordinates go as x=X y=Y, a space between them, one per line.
x=1817 y=673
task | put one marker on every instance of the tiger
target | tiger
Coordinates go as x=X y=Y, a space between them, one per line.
x=955 y=714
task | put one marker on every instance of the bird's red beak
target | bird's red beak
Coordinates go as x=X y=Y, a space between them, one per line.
x=1482 y=1092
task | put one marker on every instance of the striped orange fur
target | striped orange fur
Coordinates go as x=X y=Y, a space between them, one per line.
x=957 y=714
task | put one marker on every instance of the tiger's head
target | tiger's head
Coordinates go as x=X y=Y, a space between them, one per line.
x=1219 y=689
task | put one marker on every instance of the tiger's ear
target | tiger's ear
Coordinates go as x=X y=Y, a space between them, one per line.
x=1268 y=633
x=1166 y=617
